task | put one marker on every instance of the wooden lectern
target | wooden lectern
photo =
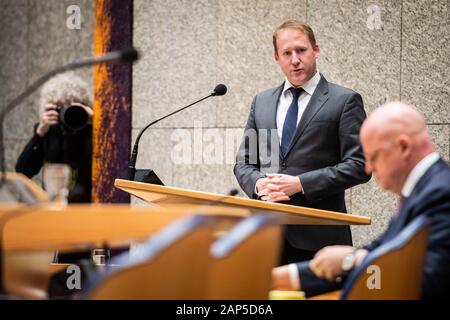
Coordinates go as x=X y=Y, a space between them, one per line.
x=164 y=196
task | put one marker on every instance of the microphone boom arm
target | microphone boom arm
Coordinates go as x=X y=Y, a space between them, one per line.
x=132 y=163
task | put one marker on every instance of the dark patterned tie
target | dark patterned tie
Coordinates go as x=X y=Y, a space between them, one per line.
x=290 y=122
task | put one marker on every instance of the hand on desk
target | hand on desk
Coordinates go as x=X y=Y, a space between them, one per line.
x=327 y=263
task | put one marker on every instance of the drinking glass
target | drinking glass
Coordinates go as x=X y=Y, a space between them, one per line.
x=56 y=177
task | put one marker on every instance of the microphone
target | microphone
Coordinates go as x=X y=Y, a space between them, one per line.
x=149 y=176
x=231 y=193
x=219 y=90
x=120 y=56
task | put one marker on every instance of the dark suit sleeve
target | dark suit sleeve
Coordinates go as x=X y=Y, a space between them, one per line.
x=349 y=172
x=313 y=285
x=436 y=280
x=247 y=167
x=31 y=159
x=375 y=243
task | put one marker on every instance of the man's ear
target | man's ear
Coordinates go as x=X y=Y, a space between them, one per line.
x=275 y=55
x=316 y=49
x=405 y=144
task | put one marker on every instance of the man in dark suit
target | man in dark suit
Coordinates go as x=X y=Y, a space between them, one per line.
x=301 y=143
x=399 y=152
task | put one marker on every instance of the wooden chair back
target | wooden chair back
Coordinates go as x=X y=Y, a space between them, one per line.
x=394 y=270
x=173 y=265
x=243 y=258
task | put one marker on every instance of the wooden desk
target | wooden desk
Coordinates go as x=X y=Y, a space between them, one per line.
x=91 y=225
x=29 y=234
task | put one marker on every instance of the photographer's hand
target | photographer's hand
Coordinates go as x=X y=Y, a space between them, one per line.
x=49 y=117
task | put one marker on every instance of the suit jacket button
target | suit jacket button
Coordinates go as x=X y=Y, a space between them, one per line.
x=283 y=165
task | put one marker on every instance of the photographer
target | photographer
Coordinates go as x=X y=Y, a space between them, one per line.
x=63 y=134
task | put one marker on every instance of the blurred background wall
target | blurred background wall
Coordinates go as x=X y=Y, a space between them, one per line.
x=385 y=50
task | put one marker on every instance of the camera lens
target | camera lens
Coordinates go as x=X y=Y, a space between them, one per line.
x=73 y=117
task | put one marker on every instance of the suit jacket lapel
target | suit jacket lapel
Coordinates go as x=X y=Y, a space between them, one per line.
x=267 y=119
x=272 y=106
x=319 y=97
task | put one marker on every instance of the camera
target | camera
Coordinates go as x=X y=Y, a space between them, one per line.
x=73 y=118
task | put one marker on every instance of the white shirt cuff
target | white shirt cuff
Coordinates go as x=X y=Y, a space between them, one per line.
x=256 y=191
x=294 y=276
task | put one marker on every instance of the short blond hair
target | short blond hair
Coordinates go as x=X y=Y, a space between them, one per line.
x=296 y=25
x=65 y=88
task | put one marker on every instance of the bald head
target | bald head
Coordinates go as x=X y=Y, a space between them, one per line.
x=395 y=118
x=394 y=139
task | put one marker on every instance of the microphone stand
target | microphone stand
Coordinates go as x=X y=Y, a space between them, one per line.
x=148 y=175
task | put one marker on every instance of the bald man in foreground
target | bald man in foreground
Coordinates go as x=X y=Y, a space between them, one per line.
x=399 y=152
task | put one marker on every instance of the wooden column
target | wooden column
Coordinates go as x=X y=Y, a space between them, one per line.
x=112 y=101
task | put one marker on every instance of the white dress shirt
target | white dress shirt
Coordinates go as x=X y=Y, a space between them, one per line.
x=286 y=100
x=419 y=170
